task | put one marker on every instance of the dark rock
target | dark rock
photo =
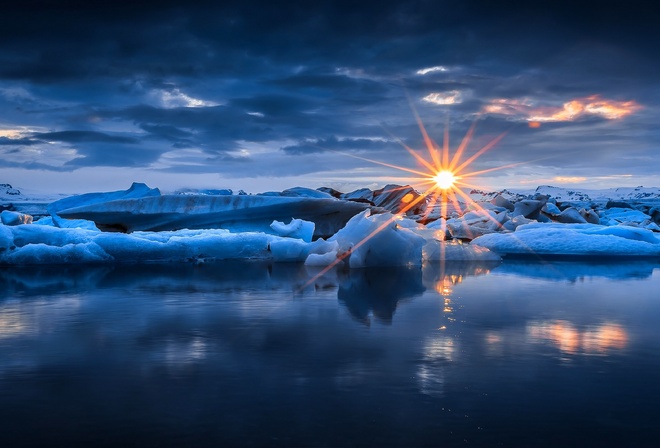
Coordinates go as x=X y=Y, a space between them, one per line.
x=331 y=191
x=617 y=204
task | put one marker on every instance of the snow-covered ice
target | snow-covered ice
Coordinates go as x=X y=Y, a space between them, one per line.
x=573 y=240
x=320 y=229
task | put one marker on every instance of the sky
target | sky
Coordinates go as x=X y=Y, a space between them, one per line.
x=261 y=95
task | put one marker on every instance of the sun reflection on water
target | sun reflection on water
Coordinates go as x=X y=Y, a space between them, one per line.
x=568 y=338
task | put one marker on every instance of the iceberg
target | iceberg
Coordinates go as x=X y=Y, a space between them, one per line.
x=366 y=240
x=391 y=240
x=581 y=240
x=240 y=213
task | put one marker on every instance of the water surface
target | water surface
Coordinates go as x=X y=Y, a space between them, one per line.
x=250 y=354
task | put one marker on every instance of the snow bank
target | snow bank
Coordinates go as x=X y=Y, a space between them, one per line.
x=573 y=240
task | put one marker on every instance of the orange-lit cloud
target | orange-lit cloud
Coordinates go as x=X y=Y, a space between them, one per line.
x=569 y=179
x=569 y=111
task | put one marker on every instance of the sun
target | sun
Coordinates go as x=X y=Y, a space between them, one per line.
x=445 y=179
x=441 y=178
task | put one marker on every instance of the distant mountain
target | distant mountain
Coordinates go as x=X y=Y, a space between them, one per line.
x=8 y=190
x=622 y=193
x=562 y=194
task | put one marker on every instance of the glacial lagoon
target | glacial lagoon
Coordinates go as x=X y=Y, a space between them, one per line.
x=517 y=353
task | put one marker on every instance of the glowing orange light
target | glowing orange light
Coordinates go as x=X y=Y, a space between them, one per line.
x=442 y=176
x=444 y=179
x=534 y=124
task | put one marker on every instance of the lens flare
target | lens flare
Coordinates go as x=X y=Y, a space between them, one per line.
x=444 y=179
x=441 y=179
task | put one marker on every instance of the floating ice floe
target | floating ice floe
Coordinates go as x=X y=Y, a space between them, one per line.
x=367 y=240
x=573 y=240
x=40 y=244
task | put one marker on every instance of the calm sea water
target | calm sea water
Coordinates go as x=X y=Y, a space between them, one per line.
x=236 y=354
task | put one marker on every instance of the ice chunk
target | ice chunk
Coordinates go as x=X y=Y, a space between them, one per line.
x=66 y=223
x=616 y=215
x=378 y=240
x=326 y=259
x=501 y=201
x=289 y=250
x=551 y=208
x=570 y=215
x=573 y=240
x=297 y=228
x=10 y=218
x=529 y=208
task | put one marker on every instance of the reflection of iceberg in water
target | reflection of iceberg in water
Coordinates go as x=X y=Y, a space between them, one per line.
x=572 y=271
x=165 y=277
x=444 y=277
x=377 y=291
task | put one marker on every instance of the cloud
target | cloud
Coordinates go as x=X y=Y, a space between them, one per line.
x=83 y=137
x=173 y=98
x=572 y=110
x=426 y=71
x=9 y=141
x=444 y=98
x=340 y=144
x=177 y=85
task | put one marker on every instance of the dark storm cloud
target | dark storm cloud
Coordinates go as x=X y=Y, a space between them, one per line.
x=51 y=40
x=83 y=137
x=4 y=141
x=335 y=144
x=124 y=83
x=104 y=154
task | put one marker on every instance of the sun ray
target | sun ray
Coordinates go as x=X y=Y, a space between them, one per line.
x=462 y=146
x=479 y=153
x=445 y=147
x=417 y=157
x=497 y=168
x=443 y=181
x=402 y=168
x=430 y=144
x=341 y=257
